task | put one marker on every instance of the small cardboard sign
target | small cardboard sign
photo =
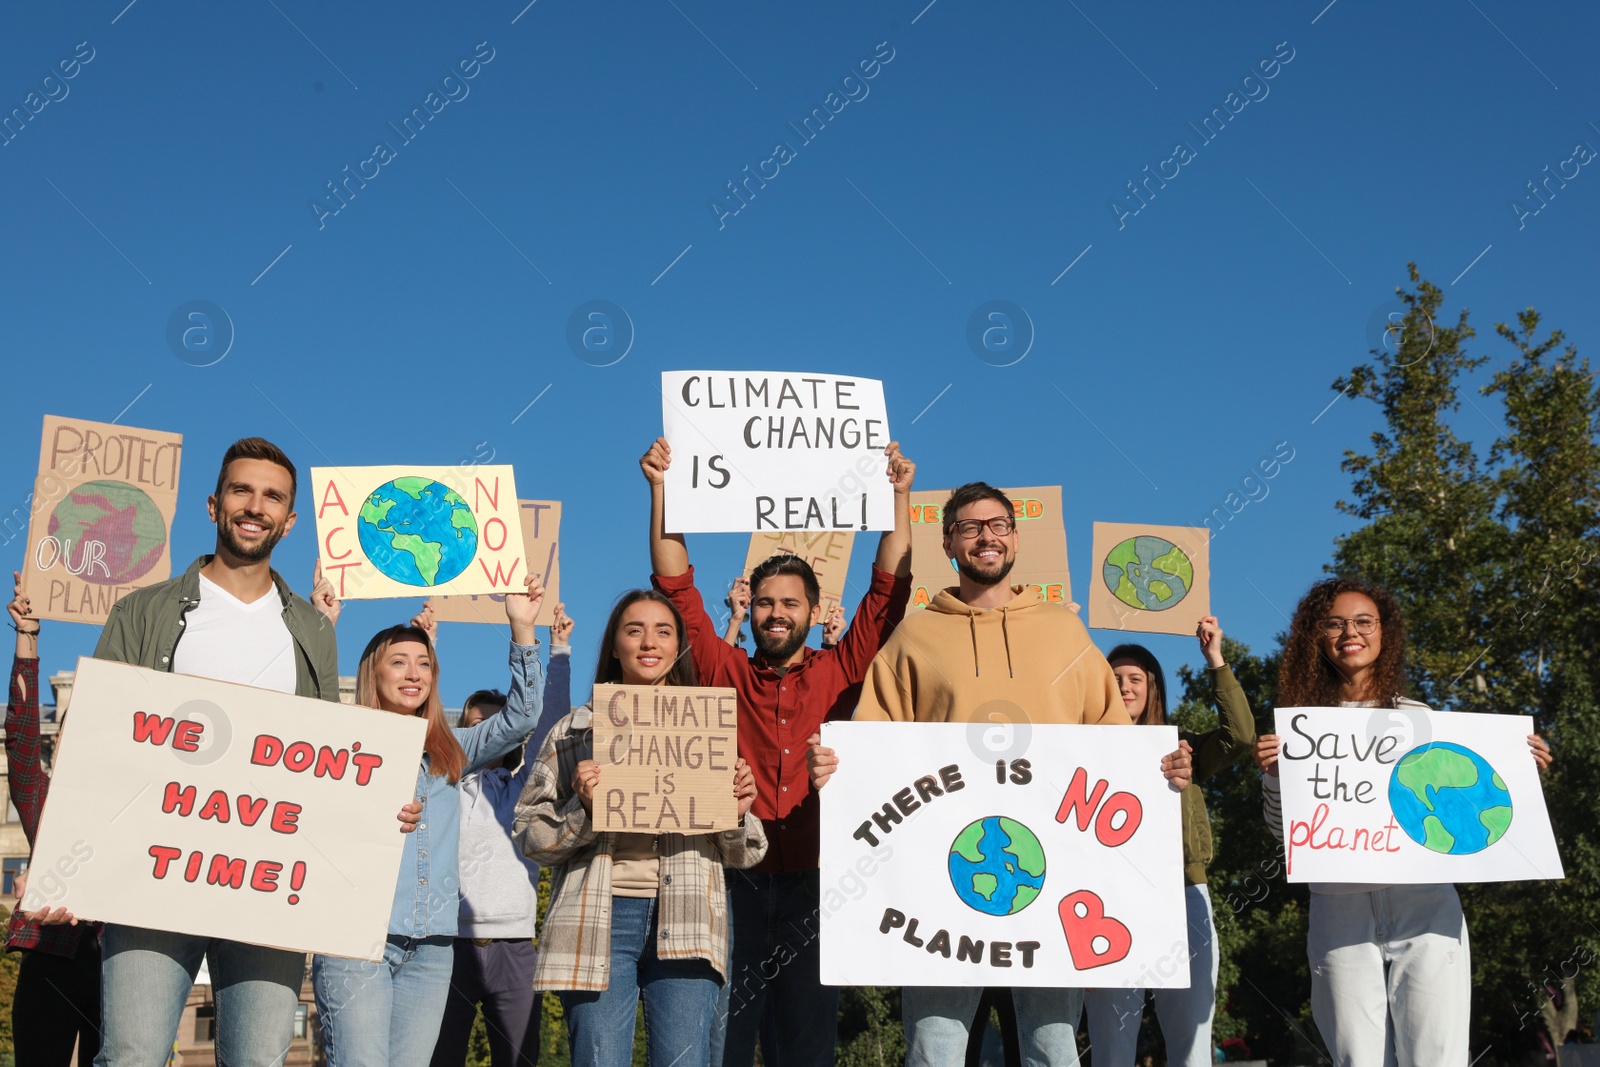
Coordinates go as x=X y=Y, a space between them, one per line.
x=408 y=531
x=828 y=552
x=1150 y=579
x=101 y=517
x=1409 y=795
x=768 y=450
x=220 y=810
x=1041 y=545
x=541 y=534
x=666 y=756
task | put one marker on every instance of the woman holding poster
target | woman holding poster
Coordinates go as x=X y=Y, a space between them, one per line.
x=1391 y=974
x=1185 y=1014
x=631 y=915
x=387 y=1013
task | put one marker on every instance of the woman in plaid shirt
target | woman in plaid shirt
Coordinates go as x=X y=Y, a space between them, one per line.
x=631 y=915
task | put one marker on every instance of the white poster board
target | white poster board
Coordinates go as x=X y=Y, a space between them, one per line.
x=1411 y=796
x=756 y=451
x=1059 y=867
x=220 y=810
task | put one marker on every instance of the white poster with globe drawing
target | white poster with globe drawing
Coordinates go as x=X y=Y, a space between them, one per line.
x=397 y=531
x=1411 y=796
x=1150 y=579
x=1059 y=865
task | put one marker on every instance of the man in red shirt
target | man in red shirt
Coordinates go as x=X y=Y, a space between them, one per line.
x=785 y=690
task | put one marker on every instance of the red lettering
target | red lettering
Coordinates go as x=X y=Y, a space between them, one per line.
x=249 y=812
x=331 y=493
x=1084 y=921
x=215 y=807
x=267 y=751
x=497 y=578
x=176 y=797
x=1133 y=813
x=264 y=878
x=299 y=756
x=480 y=491
x=163 y=856
x=226 y=872
x=327 y=545
x=341 y=568
x=187 y=738
x=152 y=728
x=285 y=817
x=366 y=763
x=191 y=870
x=491 y=524
x=331 y=762
x=1076 y=802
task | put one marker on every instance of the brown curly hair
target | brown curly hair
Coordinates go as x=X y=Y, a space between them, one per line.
x=1306 y=678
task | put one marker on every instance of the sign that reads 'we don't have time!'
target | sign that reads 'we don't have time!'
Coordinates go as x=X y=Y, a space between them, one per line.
x=768 y=450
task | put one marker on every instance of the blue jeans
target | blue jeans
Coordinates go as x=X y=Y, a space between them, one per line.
x=937 y=1019
x=1185 y=1014
x=775 y=988
x=384 y=1013
x=145 y=981
x=680 y=998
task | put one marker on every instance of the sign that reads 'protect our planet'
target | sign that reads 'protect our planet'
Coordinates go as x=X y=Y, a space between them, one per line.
x=409 y=531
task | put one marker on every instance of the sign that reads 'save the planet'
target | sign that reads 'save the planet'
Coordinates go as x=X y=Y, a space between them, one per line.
x=1059 y=867
x=666 y=756
x=221 y=810
x=767 y=450
x=1408 y=795
x=413 y=531
x=101 y=517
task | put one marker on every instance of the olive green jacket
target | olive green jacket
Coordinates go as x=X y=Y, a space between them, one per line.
x=1213 y=750
x=145 y=626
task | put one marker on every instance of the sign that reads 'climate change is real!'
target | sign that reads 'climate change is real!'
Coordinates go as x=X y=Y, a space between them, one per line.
x=1059 y=867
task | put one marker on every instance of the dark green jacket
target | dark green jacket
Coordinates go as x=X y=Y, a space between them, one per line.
x=1234 y=736
x=145 y=626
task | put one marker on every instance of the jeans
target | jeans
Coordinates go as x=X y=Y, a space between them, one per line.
x=775 y=987
x=937 y=1019
x=1185 y=1014
x=499 y=976
x=57 y=1004
x=384 y=1013
x=145 y=981
x=680 y=998
x=1391 y=976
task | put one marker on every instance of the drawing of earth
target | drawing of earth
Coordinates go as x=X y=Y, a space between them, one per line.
x=1149 y=573
x=997 y=866
x=417 y=531
x=1448 y=799
x=119 y=516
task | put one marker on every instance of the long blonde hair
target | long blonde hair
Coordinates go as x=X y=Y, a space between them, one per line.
x=444 y=752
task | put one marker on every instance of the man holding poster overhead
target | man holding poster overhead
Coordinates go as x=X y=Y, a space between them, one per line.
x=989 y=652
x=786 y=690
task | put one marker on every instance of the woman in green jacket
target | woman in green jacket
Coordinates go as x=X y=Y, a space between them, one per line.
x=1185 y=1014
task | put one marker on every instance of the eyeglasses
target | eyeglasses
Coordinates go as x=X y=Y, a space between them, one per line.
x=1364 y=625
x=1000 y=526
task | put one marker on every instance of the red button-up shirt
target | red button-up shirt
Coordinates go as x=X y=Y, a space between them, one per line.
x=777 y=713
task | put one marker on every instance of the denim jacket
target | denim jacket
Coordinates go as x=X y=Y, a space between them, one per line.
x=427 y=896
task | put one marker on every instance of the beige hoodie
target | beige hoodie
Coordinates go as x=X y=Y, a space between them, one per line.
x=1028 y=661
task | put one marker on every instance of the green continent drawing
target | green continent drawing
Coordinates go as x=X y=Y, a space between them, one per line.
x=997 y=865
x=1147 y=572
x=1448 y=799
x=417 y=531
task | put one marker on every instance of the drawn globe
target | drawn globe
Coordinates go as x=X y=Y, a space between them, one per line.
x=417 y=531
x=122 y=518
x=997 y=866
x=1448 y=799
x=1149 y=573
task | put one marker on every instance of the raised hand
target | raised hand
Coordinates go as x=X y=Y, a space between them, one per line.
x=1209 y=632
x=561 y=627
x=425 y=621
x=833 y=626
x=739 y=597
x=523 y=608
x=901 y=470
x=323 y=598
x=655 y=462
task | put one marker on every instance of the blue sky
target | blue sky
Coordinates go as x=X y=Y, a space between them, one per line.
x=581 y=162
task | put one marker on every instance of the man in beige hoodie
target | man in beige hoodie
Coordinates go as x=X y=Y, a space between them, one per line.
x=985 y=651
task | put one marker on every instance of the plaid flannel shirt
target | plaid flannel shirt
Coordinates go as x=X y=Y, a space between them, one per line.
x=553 y=829
x=28 y=785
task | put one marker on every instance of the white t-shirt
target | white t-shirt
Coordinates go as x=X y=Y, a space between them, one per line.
x=230 y=641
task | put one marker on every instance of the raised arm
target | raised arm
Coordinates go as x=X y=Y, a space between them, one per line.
x=669 y=556
x=1236 y=727
x=894 y=546
x=500 y=733
x=738 y=607
x=26 y=780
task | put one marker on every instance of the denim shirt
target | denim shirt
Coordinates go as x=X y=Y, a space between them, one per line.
x=427 y=897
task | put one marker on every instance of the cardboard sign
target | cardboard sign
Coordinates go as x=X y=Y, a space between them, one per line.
x=944 y=866
x=408 y=531
x=766 y=450
x=1041 y=544
x=101 y=517
x=1150 y=579
x=221 y=810
x=666 y=757
x=1408 y=795
x=541 y=534
x=828 y=554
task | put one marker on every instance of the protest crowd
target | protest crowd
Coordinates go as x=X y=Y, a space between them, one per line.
x=715 y=933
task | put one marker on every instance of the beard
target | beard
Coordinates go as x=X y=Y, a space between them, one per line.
x=776 y=650
x=247 y=553
x=982 y=577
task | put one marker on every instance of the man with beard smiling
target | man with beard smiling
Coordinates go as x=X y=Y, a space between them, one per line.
x=985 y=651
x=786 y=690
x=232 y=618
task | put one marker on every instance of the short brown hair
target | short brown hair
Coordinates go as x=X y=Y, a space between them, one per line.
x=257 y=448
x=971 y=493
